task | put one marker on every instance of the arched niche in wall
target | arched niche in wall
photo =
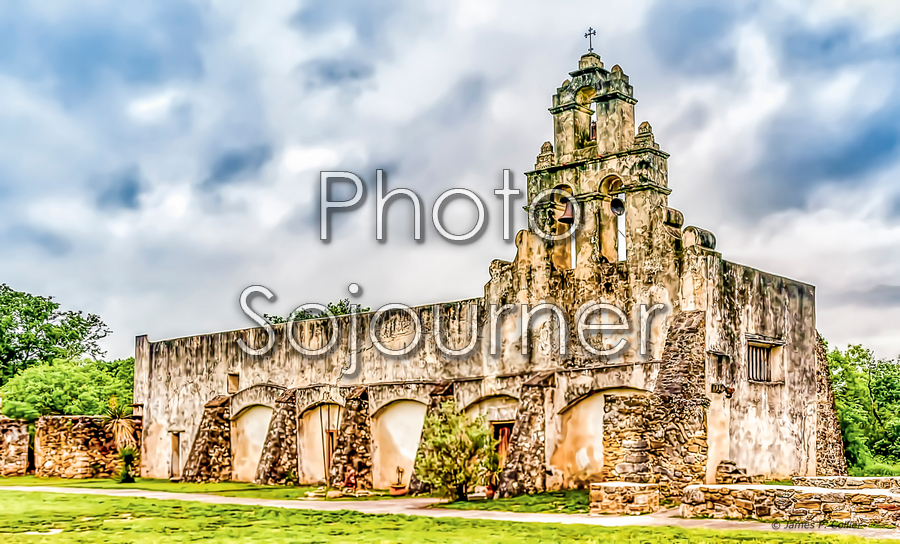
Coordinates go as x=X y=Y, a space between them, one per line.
x=585 y=118
x=248 y=434
x=578 y=449
x=317 y=437
x=396 y=430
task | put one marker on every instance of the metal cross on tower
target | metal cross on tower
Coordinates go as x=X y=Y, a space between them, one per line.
x=588 y=34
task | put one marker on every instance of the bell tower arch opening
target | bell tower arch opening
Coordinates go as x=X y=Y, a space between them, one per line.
x=612 y=220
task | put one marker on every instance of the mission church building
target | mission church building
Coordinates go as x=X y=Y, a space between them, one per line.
x=734 y=369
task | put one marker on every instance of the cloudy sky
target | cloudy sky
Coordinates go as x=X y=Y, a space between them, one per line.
x=158 y=157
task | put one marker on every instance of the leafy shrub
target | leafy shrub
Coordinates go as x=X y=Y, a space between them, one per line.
x=68 y=388
x=454 y=452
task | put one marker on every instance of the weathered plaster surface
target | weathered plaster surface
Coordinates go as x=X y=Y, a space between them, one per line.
x=396 y=430
x=248 y=434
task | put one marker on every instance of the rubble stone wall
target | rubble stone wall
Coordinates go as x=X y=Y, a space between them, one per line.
x=830 y=459
x=624 y=498
x=662 y=438
x=13 y=447
x=74 y=447
x=526 y=459
x=210 y=457
x=802 y=504
x=845 y=482
x=354 y=444
x=278 y=463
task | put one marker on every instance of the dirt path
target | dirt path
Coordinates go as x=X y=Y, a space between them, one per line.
x=419 y=507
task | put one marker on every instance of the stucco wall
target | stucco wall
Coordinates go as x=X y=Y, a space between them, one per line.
x=772 y=426
x=311 y=448
x=578 y=449
x=248 y=433
x=396 y=430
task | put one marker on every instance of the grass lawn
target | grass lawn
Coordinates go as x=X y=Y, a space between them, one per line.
x=107 y=519
x=227 y=489
x=559 y=502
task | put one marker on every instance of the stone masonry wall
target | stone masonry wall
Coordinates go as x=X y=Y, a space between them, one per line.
x=802 y=504
x=354 y=444
x=830 y=459
x=278 y=463
x=74 y=447
x=13 y=447
x=210 y=457
x=849 y=482
x=661 y=438
x=525 y=461
x=651 y=439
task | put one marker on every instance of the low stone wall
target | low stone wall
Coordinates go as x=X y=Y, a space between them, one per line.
x=806 y=504
x=13 y=447
x=74 y=447
x=727 y=472
x=624 y=498
x=849 y=482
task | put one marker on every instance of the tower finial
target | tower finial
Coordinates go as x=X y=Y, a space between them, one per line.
x=591 y=32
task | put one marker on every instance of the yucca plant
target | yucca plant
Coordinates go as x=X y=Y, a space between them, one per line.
x=118 y=421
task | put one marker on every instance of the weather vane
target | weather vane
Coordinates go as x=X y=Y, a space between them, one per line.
x=588 y=34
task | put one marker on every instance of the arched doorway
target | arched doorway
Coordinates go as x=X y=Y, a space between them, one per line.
x=248 y=435
x=318 y=430
x=396 y=430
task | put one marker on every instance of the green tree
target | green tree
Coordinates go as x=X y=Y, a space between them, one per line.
x=342 y=307
x=33 y=329
x=455 y=451
x=68 y=388
x=867 y=395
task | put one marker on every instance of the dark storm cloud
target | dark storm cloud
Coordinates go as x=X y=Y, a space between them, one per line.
x=803 y=148
x=237 y=165
x=368 y=19
x=801 y=153
x=121 y=190
x=806 y=48
x=82 y=52
x=695 y=39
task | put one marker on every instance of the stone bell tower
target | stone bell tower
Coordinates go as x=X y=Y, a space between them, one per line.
x=617 y=176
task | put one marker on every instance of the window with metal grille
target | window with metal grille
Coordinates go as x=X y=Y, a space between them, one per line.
x=759 y=363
